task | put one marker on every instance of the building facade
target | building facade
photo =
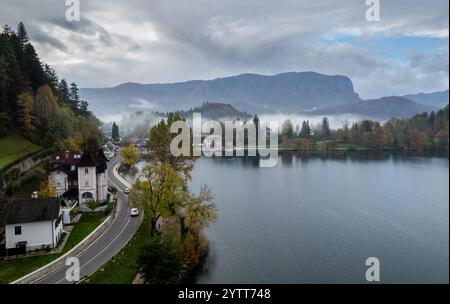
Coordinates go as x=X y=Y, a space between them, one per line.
x=33 y=223
x=79 y=176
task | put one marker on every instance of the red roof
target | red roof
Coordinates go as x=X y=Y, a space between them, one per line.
x=67 y=157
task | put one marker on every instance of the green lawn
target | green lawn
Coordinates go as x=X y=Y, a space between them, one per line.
x=87 y=224
x=123 y=267
x=14 y=269
x=13 y=147
x=341 y=146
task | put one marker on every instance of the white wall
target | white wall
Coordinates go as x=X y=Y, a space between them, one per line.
x=91 y=180
x=59 y=229
x=66 y=215
x=36 y=234
x=60 y=177
x=102 y=186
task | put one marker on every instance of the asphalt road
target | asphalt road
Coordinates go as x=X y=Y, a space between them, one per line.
x=109 y=244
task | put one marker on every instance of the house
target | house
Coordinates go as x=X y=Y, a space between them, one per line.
x=79 y=176
x=32 y=223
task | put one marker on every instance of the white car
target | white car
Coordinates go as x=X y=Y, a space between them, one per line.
x=126 y=190
x=134 y=212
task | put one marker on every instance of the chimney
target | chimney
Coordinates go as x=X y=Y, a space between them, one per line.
x=34 y=194
x=67 y=154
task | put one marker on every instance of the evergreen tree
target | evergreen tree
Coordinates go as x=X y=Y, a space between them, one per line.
x=51 y=78
x=32 y=67
x=84 y=107
x=306 y=130
x=22 y=76
x=115 y=132
x=326 y=132
x=7 y=30
x=431 y=119
x=22 y=34
x=74 y=98
x=63 y=92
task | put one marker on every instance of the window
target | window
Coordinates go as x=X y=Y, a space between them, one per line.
x=58 y=221
x=76 y=156
x=58 y=184
x=86 y=170
x=18 y=230
x=57 y=171
x=72 y=168
x=86 y=183
x=57 y=157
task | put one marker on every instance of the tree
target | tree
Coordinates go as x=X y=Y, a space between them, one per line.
x=381 y=138
x=22 y=34
x=197 y=212
x=92 y=143
x=4 y=122
x=74 y=97
x=32 y=67
x=74 y=142
x=159 y=192
x=63 y=92
x=130 y=155
x=340 y=135
x=326 y=132
x=37 y=111
x=442 y=140
x=159 y=147
x=84 y=106
x=46 y=105
x=304 y=144
x=51 y=78
x=25 y=116
x=115 y=132
x=62 y=126
x=305 y=132
x=47 y=189
x=287 y=129
x=160 y=262
x=415 y=140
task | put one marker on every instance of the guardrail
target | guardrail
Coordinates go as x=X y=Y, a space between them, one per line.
x=75 y=251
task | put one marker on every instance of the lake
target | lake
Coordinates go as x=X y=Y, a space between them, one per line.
x=317 y=219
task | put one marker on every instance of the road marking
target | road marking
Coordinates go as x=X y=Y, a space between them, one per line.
x=101 y=250
x=125 y=202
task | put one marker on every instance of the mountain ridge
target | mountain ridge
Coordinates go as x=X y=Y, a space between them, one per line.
x=290 y=91
x=381 y=108
x=439 y=98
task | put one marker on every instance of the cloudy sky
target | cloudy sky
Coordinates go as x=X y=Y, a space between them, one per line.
x=167 y=41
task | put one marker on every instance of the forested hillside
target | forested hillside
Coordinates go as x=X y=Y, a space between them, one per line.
x=35 y=103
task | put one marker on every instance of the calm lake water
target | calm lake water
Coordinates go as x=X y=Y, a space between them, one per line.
x=317 y=220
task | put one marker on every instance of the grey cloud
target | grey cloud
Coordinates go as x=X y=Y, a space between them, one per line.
x=209 y=39
x=43 y=38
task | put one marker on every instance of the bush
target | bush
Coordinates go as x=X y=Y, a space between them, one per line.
x=73 y=212
x=112 y=189
x=13 y=187
x=160 y=262
x=92 y=204
x=110 y=208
